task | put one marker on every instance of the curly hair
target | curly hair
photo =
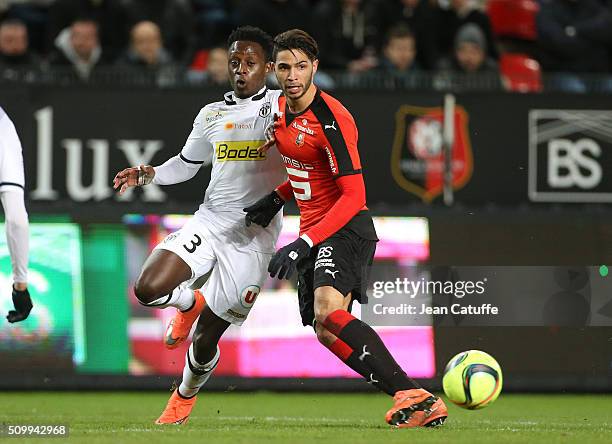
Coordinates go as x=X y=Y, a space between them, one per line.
x=252 y=34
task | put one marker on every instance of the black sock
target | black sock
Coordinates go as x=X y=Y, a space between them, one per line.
x=370 y=349
x=351 y=358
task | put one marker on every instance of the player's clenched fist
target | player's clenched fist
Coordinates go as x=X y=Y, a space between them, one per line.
x=133 y=177
x=284 y=262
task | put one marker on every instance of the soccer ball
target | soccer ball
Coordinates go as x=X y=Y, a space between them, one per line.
x=472 y=379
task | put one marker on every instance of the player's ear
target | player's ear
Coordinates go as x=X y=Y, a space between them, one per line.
x=315 y=66
x=269 y=67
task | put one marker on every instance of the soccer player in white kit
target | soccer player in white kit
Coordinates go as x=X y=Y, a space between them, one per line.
x=12 y=184
x=216 y=240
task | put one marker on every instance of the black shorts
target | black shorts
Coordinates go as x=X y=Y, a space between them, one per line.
x=341 y=261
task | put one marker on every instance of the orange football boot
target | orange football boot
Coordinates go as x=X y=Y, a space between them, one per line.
x=416 y=408
x=180 y=325
x=177 y=410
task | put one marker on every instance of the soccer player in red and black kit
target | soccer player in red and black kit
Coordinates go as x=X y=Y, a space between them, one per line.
x=317 y=138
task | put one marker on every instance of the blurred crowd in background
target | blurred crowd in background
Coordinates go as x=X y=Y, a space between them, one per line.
x=395 y=43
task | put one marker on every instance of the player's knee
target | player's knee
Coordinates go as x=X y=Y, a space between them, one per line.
x=327 y=300
x=145 y=291
x=323 y=310
x=323 y=335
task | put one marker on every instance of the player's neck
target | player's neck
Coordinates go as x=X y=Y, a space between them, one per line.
x=248 y=96
x=300 y=104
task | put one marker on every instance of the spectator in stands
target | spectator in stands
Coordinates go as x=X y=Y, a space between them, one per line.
x=346 y=33
x=470 y=53
x=34 y=15
x=420 y=17
x=147 y=58
x=274 y=16
x=399 y=52
x=216 y=72
x=173 y=17
x=398 y=65
x=110 y=15
x=146 y=48
x=470 y=66
x=574 y=37
x=14 y=47
x=78 y=47
x=459 y=13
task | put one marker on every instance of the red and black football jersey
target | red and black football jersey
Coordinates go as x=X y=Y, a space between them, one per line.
x=318 y=146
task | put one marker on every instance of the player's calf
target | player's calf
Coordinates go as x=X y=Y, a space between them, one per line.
x=183 y=399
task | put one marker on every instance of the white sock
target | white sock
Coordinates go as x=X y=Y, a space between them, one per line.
x=192 y=382
x=181 y=298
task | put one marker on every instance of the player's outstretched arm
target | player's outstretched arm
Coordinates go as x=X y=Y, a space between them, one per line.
x=17 y=236
x=132 y=177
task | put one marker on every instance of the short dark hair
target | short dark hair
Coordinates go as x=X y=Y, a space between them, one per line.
x=400 y=31
x=252 y=34
x=86 y=19
x=296 y=39
x=12 y=22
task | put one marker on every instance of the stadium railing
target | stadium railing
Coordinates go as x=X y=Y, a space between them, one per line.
x=180 y=77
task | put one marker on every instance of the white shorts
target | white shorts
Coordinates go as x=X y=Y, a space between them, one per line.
x=237 y=273
x=11 y=157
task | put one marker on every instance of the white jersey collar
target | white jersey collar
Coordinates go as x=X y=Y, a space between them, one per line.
x=231 y=99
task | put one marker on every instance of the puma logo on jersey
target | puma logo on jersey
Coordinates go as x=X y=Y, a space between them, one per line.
x=333 y=273
x=332 y=126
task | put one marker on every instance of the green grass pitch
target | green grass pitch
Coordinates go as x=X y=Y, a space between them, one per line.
x=235 y=418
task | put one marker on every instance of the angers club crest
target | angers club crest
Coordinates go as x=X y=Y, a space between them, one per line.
x=417 y=160
x=265 y=109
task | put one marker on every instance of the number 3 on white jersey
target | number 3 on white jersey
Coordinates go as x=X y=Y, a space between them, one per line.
x=306 y=193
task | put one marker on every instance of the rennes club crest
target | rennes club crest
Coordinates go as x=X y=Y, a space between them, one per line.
x=417 y=160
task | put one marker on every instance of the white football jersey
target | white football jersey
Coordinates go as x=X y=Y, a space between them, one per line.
x=227 y=134
x=11 y=156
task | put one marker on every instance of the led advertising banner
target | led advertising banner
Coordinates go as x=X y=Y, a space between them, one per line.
x=272 y=341
x=52 y=338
